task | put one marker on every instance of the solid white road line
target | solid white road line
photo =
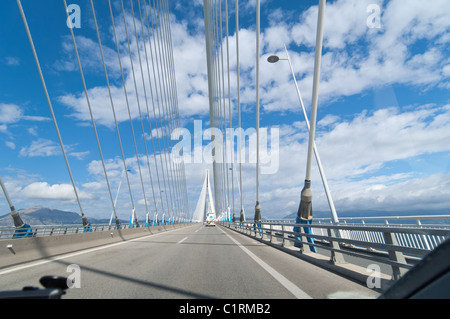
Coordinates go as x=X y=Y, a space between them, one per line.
x=297 y=292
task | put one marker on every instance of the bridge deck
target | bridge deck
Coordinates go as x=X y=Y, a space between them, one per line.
x=191 y=262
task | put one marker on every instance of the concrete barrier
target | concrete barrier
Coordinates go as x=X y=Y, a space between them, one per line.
x=17 y=251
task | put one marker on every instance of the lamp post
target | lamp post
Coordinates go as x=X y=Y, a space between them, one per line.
x=305 y=208
x=275 y=59
x=115 y=201
x=155 y=219
x=305 y=214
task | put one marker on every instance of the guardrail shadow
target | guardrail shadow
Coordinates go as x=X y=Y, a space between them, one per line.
x=153 y=285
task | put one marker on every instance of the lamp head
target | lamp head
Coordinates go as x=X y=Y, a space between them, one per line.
x=273 y=59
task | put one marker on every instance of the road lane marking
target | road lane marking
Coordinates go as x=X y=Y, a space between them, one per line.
x=296 y=291
x=182 y=240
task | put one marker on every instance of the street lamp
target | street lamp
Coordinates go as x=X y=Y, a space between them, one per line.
x=155 y=219
x=304 y=214
x=275 y=59
x=115 y=201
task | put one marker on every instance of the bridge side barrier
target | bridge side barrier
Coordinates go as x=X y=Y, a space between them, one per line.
x=384 y=244
x=404 y=239
x=17 y=251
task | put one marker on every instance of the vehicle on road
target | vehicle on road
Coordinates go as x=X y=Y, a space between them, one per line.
x=210 y=220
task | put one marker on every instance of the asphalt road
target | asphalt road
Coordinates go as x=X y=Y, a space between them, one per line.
x=194 y=262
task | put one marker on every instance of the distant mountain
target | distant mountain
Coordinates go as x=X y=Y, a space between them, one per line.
x=39 y=215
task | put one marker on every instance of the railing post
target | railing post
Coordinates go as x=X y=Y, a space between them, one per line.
x=395 y=255
x=271 y=233
x=298 y=236
x=336 y=257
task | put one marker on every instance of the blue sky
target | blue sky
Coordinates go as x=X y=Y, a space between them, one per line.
x=383 y=129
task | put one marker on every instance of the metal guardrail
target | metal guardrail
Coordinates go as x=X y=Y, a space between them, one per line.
x=386 y=220
x=404 y=239
x=43 y=231
x=395 y=245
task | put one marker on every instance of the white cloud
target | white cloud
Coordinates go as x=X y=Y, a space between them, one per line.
x=32 y=131
x=370 y=140
x=90 y=57
x=12 y=113
x=40 y=147
x=329 y=119
x=79 y=155
x=356 y=155
x=357 y=58
x=14 y=61
x=45 y=191
x=426 y=193
x=10 y=145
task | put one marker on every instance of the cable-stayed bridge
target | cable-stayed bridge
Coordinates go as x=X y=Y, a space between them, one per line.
x=171 y=254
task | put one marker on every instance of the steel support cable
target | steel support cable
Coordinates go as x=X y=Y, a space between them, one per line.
x=224 y=127
x=167 y=109
x=154 y=110
x=146 y=103
x=175 y=114
x=89 y=106
x=214 y=71
x=183 y=172
x=174 y=98
x=153 y=106
x=84 y=219
x=231 y=158
x=223 y=115
x=257 y=207
x=152 y=58
x=222 y=112
x=239 y=109
x=209 y=30
x=225 y=155
x=128 y=105
x=211 y=88
x=163 y=103
x=230 y=110
x=172 y=86
x=219 y=101
x=167 y=112
x=217 y=94
x=227 y=95
x=219 y=112
x=113 y=109
x=212 y=94
x=112 y=104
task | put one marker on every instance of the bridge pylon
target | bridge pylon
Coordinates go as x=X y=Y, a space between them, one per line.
x=205 y=204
